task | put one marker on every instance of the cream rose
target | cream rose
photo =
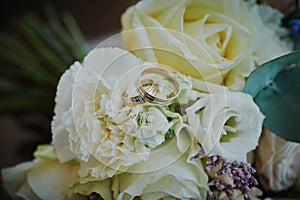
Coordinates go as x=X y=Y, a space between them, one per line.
x=217 y=41
x=182 y=179
x=94 y=126
x=277 y=162
x=226 y=124
x=43 y=178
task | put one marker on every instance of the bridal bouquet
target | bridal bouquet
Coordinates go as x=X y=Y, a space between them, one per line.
x=167 y=116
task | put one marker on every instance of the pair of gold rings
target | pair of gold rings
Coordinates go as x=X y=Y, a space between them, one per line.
x=155 y=85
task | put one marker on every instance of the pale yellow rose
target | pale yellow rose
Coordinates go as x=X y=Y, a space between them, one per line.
x=43 y=178
x=220 y=41
x=277 y=162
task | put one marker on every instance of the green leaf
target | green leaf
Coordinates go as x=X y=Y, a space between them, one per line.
x=37 y=42
x=76 y=46
x=45 y=151
x=28 y=67
x=33 y=55
x=48 y=37
x=76 y=33
x=275 y=87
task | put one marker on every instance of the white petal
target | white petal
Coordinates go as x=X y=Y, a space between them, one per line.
x=51 y=180
x=210 y=117
x=15 y=177
x=180 y=179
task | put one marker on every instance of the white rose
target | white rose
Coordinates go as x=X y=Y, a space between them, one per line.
x=266 y=27
x=277 y=162
x=217 y=41
x=91 y=122
x=226 y=124
x=43 y=178
x=182 y=179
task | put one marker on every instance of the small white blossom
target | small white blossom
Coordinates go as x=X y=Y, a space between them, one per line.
x=226 y=124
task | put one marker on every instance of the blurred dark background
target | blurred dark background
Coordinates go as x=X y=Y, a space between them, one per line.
x=20 y=132
x=94 y=17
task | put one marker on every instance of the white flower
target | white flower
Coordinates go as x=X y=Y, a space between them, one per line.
x=154 y=125
x=266 y=28
x=188 y=92
x=217 y=41
x=43 y=178
x=277 y=162
x=91 y=122
x=226 y=124
x=182 y=179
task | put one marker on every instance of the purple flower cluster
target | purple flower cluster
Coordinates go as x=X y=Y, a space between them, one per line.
x=241 y=175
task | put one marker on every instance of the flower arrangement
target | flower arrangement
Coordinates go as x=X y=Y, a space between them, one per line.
x=172 y=115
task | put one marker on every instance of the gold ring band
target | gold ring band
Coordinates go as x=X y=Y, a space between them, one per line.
x=139 y=99
x=168 y=75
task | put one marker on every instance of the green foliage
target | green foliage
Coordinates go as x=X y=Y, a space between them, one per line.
x=275 y=87
x=32 y=58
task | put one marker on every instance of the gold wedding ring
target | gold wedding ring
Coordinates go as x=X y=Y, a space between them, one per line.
x=165 y=75
x=139 y=99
